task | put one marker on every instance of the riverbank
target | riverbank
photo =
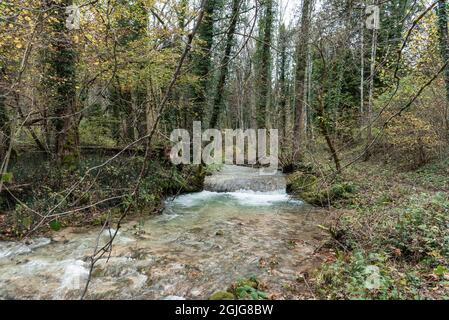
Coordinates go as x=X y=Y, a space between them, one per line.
x=393 y=228
x=42 y=199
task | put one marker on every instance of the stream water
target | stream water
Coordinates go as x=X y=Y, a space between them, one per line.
x=201 y=244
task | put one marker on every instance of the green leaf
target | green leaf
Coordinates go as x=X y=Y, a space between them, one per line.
x=55 y=225
x=263 y=295
x=6 y=177
x=440 y=271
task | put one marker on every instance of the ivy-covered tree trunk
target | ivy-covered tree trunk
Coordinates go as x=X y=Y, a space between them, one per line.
x=283 y=38
x=224 y=64
x=264 y=64
x=301 y=65
x=444 y=48
x=202 y=60
x=369 y=111
x=62 y=74
x=5 y=131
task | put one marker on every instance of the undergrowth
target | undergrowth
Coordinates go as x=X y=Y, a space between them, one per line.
x=52 y=199
x=391 y=240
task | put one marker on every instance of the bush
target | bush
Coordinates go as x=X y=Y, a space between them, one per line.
x=409 y=141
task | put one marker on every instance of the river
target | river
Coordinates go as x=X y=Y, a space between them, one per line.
x=242 y=225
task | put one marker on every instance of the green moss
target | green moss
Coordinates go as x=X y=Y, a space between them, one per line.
x=71 y=157
x=222 y=295
x=250 y=282
x=248 y=289
x=306 y=186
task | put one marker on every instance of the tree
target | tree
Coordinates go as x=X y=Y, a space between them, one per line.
x=369 y=111
x=264 y=64
x=301 y=65
x=5 y=131
x=444 y=50
x=61 y=74
x=283 y=88
x=224 y=64
x=202 y=60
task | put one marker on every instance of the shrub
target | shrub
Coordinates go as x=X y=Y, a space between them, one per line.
x=409 y=141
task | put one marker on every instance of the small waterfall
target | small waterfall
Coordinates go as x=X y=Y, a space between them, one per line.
x=237 y=178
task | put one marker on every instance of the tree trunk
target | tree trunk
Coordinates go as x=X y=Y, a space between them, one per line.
x=5 y=129
x=301 y=66
x=282 y=78
x=362 y=71
x=264 y=63
x=202 y=61
x=224 y=65
x=325 y=131
x=369 y=111
x=62 y=69
x=444 y=49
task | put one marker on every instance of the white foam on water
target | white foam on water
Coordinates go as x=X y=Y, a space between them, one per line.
x=174 y=298
x=243 y=198
x=193 y=199
x=74 y=277
x=107 y=235
x=12 y=249
x=38 y=243
x=252 y=198
x=8 y=249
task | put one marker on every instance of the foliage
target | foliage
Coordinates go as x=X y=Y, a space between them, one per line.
x=49 y=191
x=404 y=237
x=222 y=295
x=409 y=141
x=349 y=278
x=421 y=232
x=308 y=187
x=243 y=289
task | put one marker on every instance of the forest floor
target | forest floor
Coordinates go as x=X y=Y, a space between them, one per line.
x=390 y=235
